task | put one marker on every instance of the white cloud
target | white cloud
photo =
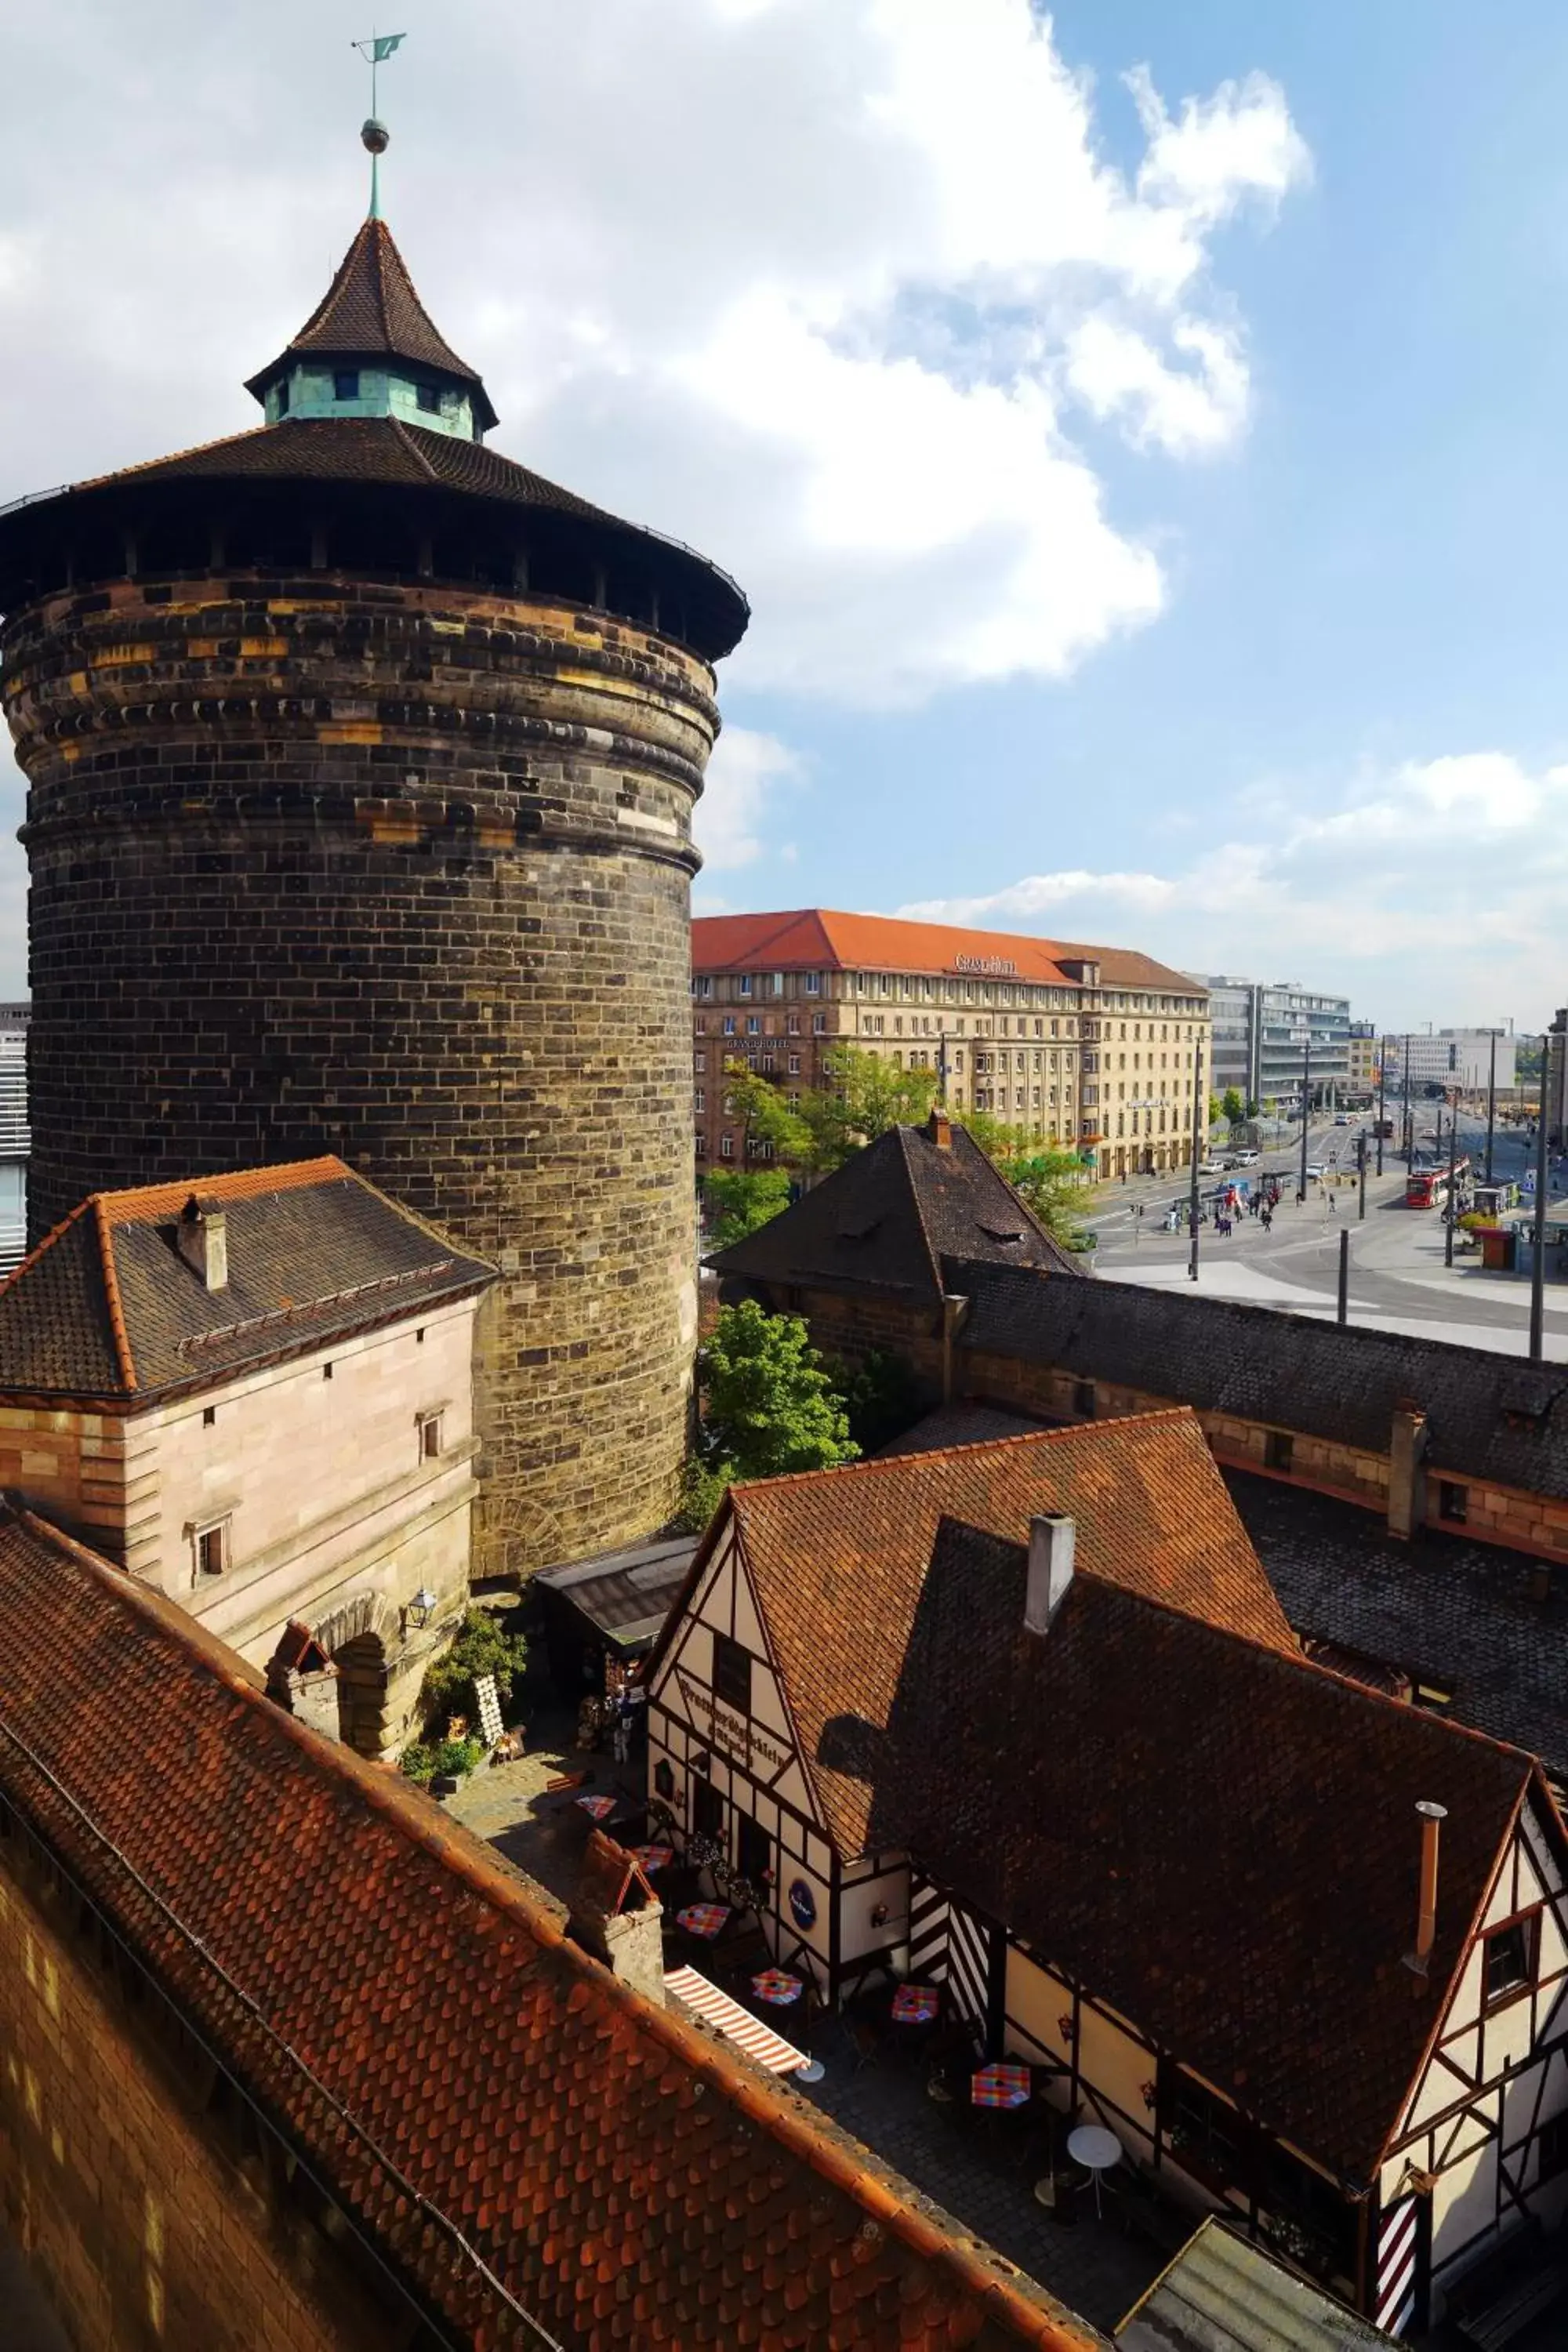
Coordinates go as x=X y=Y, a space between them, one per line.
x=743 y=775
x=820 y=285
x=1431 y=892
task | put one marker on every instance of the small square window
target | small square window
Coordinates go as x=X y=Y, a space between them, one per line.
x=1509 y=1959
x=819 y=1024
x=345 y=383
x=209 y=1415
x=664 y=1779
x=813 y=983
x=1278 y=1449
x=326 y=1371
x=753 y=1025
x=283 y=395
x=707 y=1807
x=754 y=1850
x=429 y=1437
x=743 y=985
x=428 y=397
x=419 y=1335
x=1453 y=1502
x=731 y=1673
x=212 y=1550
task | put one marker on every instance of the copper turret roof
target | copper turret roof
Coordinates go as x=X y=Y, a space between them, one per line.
x=371 y=312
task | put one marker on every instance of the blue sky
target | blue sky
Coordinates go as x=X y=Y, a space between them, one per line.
x=1140 y=430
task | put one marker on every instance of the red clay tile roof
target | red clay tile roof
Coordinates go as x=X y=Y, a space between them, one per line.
x=627 y=2181
x=371 y=312
x=1217 y=1839
x=820 y=939
x=106 y=1308
x=834 y=1552
x=889 y=1217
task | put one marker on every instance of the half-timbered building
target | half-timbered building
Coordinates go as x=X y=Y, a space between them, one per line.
x=1025 y=1718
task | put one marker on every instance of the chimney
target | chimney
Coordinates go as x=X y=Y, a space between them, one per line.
x=616 y=1916
x=954 y=1307
x=1052 y=1543
x=203 y=1237
x=1407 y=1480
x=939 y=1126
x=1419 y=1960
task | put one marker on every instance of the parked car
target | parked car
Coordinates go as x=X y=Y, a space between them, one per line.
x=1248 y=1159
x=1213 y=1167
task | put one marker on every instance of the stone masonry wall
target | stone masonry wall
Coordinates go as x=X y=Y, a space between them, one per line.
x=153 y=2221
x=401 y=872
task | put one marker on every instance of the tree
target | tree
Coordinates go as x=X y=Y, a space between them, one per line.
x=741 y=1199
x=1214 y=1111
x=1049 y=1182
x=861 y=1097
x=482 y=1647
x=1231 y=1104
x=769 y=1405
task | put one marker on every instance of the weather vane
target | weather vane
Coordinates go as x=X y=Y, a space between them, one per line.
x=374 y=133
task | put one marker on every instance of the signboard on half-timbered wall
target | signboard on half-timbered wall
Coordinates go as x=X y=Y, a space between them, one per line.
x=725 y=1756
x=722 y=1752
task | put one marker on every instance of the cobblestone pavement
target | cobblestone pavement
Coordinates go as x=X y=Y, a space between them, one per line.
x=973 y=2172
x=542 y=1834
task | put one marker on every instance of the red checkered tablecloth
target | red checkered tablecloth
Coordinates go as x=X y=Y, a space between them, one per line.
x=653 y=1857
x=1000 y=2086
x=703 y=1919
x=600 y=1808
x=915 y=2004
x=778 y=1986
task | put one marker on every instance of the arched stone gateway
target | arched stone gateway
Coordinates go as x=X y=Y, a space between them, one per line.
x=363 y=1637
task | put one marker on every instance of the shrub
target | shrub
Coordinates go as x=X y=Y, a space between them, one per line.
x=482 y=1647
x=458 y=1756
x=702 y=1485
x=417 y=1762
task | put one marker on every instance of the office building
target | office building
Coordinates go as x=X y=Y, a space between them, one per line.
x=1262 y=1034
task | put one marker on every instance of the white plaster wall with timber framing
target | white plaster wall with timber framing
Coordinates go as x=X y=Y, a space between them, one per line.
x=740 y=1744
x=1486 y=2134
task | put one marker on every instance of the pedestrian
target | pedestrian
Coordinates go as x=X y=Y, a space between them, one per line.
x=1333 y=1204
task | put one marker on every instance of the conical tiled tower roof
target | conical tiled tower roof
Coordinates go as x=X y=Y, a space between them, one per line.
x=371 y=312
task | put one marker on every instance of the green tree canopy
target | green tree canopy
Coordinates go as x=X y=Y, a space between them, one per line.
x=1050 y=1183
x=862 y=1096
x=739 y=1199
x=1231 y=1105
x=769 y=1406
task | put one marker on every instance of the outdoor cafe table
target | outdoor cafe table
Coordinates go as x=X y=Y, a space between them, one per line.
x=598 y=1809
x=779 y=1987
x=704 y=1919
x=653 y=1857
x=1001 y=2086
x=915 y=2004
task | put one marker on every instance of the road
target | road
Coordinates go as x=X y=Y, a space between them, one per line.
x=1398 y=1280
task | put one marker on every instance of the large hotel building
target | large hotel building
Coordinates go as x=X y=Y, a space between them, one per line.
x=1097 y=1050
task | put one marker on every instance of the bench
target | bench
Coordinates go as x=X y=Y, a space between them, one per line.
x=1497 y=2309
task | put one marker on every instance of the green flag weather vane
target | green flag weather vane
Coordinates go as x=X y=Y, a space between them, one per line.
x=374 y=133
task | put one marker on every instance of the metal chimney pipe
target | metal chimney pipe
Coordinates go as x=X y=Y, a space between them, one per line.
x=1419 y=1961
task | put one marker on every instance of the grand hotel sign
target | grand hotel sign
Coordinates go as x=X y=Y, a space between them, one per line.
x=995 y=967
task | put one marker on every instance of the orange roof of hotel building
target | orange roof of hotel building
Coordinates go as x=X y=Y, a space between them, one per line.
x=822 y=940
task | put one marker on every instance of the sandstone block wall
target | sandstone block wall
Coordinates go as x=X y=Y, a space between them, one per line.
x=398 y=871
x=153 y=2217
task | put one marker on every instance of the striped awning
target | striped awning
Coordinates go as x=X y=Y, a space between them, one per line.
x=757 y=2040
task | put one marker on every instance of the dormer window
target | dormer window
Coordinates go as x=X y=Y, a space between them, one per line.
x=428 y=397
x=283 y=396
x=345 y=383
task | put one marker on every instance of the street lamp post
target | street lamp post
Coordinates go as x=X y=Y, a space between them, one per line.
x=1538 y=1253
x=1361 y=1162
x=1381 y=1093
x=1491 y=1100
x=1198 y=1121
x=1453 y=1209
x=1409 y=1134
x=1306 y=1110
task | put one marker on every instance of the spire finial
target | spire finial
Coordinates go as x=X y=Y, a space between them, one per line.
x=374 y=133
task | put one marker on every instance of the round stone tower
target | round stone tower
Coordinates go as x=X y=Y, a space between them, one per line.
x=362 y=763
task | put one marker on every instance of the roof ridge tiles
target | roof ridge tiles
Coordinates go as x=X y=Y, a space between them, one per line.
x=120 y=1336
x=413 y=1819
x=1089 y=1430
x=135 y=1203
